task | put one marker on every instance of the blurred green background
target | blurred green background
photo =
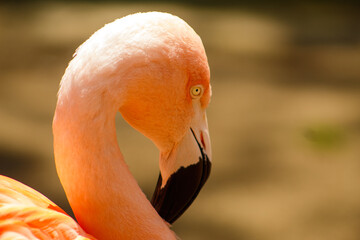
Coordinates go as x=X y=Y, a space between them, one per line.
x=284 y=117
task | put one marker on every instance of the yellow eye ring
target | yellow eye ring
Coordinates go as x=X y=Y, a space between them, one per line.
x=196 y=91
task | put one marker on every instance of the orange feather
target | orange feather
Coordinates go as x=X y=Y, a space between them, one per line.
x=27 y=214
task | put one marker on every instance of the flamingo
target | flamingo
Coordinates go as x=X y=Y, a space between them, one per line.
x=152 y=68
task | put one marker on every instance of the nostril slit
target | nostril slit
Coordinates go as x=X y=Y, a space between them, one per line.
x=202 y=140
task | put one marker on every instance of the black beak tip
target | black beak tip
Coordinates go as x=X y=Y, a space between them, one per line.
x=181 y=189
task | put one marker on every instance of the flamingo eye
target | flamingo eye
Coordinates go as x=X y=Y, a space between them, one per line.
x=196 y=91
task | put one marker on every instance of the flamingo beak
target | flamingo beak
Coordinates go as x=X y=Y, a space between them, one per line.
x=183 y=172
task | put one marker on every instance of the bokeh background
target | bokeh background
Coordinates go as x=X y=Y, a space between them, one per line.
x=284 y=118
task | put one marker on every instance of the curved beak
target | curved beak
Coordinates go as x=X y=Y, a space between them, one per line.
x=183 y=171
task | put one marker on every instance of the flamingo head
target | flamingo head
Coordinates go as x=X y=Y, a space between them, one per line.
x=166 y=100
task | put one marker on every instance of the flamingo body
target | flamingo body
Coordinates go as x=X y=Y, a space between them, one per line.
x=27 y=214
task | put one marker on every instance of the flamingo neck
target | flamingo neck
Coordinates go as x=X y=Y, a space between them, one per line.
x=106 y=199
